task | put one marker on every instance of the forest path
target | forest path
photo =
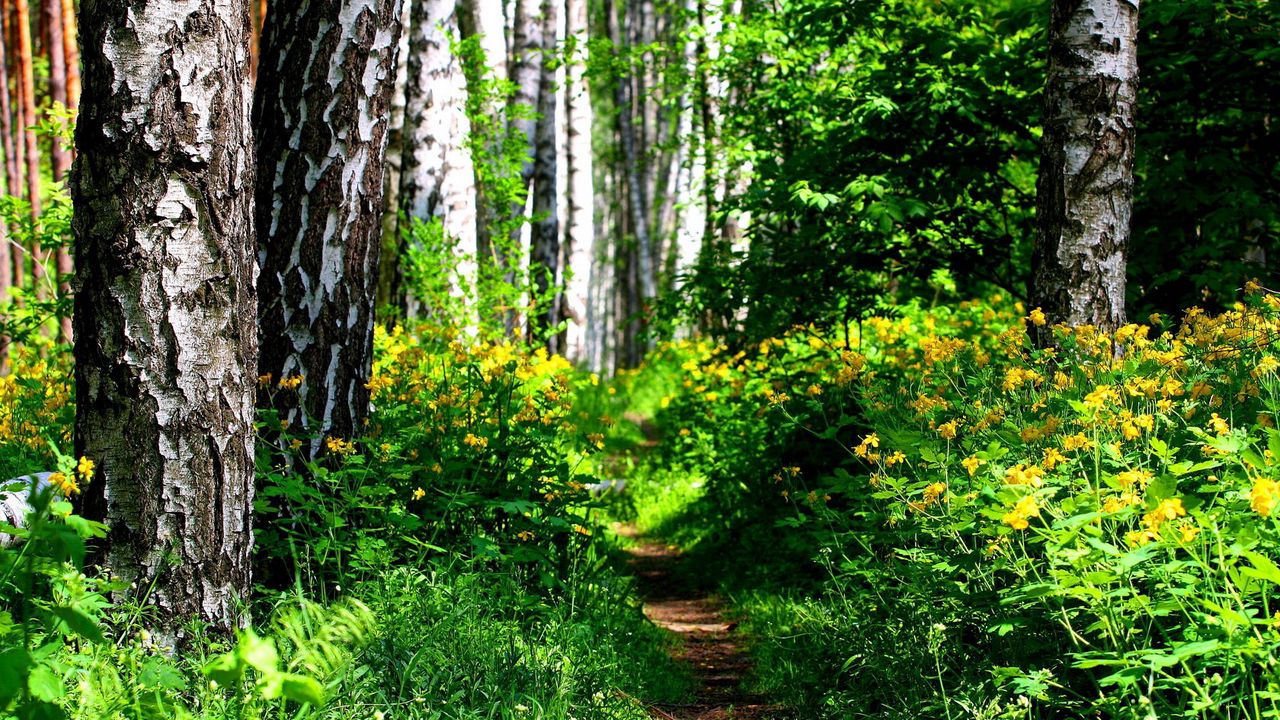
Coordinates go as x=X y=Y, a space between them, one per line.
x=709 y=643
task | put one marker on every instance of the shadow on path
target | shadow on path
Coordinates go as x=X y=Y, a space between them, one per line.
x=709 y=645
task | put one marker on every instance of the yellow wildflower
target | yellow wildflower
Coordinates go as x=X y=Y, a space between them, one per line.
x=1264 y=496
x=1037 y=317
x=947 y=430
x=1023 y=510
x=971 y=464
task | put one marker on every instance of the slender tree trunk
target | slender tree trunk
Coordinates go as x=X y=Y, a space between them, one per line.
x=321 y=115
x=438 y=176
x=59 y=156
x=26 y=69
x=165 y=319
x=390 y=292
x=15 y=147
x=10 y=170
x=1085 y=186
x=485 y=20
x=580 y=251
x=71 y=53
x=544 y=241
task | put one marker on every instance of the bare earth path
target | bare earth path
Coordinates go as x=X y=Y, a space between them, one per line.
x=710 y=645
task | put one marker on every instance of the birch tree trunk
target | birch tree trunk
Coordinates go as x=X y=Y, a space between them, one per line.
x=438 y=178
x=1085 y=187
x=579 y=248
x=10 y=166
x=486 y=21
x=165 y=310
x=390 y=291
x=544 y=240
x=321 y=115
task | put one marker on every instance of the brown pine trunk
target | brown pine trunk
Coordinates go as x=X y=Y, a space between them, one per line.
x=10 y=183
x=1085 y=187
x=26 y=71
x=321 y=112
x=59 y=156
x=71 y=53
x=165 y=312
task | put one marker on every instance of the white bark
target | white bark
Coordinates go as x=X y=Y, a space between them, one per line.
x=165 y=305
x=439 y=178
x=580 y=249
x=1085 y=187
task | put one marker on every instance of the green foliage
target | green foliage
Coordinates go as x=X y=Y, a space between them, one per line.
x=1087 y=531
x=882 y=141
x=1208 y=156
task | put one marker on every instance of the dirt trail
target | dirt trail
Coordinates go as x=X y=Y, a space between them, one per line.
x=710 y=645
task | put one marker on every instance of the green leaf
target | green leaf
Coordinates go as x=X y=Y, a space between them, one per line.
x=227 y=669
x=79 y=623
x=258 y=653
x=1263 y=568
x=45 y=684
x=302 y=689
x=158 y=673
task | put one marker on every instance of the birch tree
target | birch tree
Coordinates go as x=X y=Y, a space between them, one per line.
x=437 y=176
x=544 y=236
x=1085 y=187
x=164 y=309
x=321 y=115
x=579 y=250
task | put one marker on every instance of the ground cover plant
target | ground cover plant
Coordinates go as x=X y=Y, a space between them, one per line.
x=1080 y=529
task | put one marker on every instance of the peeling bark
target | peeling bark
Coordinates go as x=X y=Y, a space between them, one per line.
x=1085 y=187
x=321 y=116
x=164 y=308
x=438 y=178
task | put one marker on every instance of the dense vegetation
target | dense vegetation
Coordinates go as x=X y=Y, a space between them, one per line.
x=800 y=351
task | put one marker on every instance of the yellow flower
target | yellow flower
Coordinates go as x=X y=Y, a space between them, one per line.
x=1076 y=442
x=1134 y=478
x=419 y=493
x=1025 y=509
x=63 y=484
x=971 y=464
x=1264 y=496
x=1219 y=425
x=338 y=446
x=1052 y=458
x=291 y=383
x=85 y=469
x=1168 y=509
x=933 y=492
x=475 y=441
x=1025 y=475
x=813 y=390
x=947 y=430
x=1037 y=317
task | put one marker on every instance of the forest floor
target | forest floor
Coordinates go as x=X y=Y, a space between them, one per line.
x=708 y=641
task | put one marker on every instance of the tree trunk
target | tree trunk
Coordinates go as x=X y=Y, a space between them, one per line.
x=320 y=113
x=1085 y=188
x=71 y=53
x=544 y=240
x=438 y=177
x=579 y=249
x=10 y=168
x=59 y=156
x=485 y=20
x=165 y=319
x=390 y=293
x=26 y=76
